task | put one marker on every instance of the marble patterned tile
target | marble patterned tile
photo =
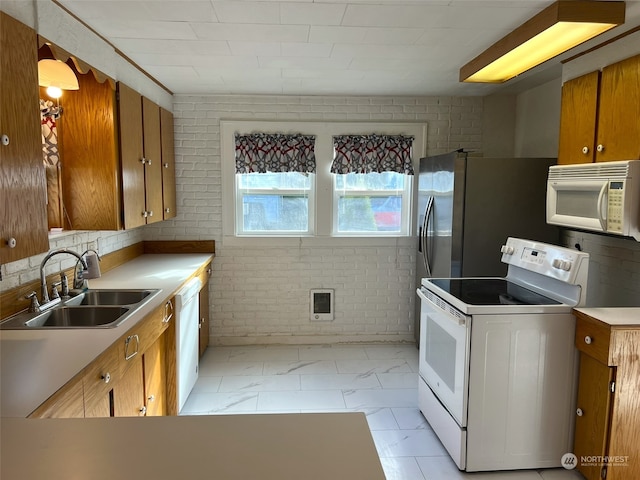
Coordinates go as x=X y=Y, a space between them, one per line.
x=443 y=468
x=380 y=418
x=339 y=381
x=206 y=384
x=221 y=369
x=407 y=443
x=560 y=474
x=300 y=368
x=220 y=403
x=360 y=399
x=260 y=383
x=390 y=365
x=300 y=400
x=266 y=354
x=331 y=352
x=401 y=468
x=410 y=418
x=398 y=380
x=377 y=352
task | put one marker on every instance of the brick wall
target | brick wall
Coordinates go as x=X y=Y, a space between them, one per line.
x=262 y=295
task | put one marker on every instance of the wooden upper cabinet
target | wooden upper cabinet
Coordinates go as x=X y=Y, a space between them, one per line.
x=600 y=115
x=132 y=156
x=619 y=114
x=153 y=160
x=168 y=165
x=578 y=118
x=23 y=193
x=89 y=156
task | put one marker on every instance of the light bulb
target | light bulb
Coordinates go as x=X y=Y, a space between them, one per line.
x=54 y=92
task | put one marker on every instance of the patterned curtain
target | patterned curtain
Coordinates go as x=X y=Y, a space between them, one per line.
x=265 y=152
x=372 y=153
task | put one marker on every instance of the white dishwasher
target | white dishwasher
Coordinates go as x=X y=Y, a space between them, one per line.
x=187 y=319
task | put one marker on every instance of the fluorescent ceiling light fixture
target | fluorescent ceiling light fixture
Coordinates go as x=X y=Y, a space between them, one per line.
x=558 y=28
x=56 y=76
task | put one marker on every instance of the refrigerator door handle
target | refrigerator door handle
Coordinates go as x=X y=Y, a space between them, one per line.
x=425 y=235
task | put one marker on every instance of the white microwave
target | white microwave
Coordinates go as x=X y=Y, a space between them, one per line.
x=601 y=197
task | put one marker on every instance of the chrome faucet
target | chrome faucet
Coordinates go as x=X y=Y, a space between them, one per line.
x=43 y=278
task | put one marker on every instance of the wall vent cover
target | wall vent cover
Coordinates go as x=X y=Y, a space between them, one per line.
x=321 y=304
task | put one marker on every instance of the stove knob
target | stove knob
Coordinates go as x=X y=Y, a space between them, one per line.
x=507 y=249
x=565 y=265
x=556 y=263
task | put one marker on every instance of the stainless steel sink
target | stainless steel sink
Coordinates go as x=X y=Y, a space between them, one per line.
x=100 y=308
x=78 y=317
x=110 y=297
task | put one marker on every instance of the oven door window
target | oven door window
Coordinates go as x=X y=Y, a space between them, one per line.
x=444 y=352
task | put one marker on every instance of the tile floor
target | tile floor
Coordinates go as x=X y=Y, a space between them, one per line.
x=380 y=380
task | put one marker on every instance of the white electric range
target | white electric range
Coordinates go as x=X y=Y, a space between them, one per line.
x=497 y=362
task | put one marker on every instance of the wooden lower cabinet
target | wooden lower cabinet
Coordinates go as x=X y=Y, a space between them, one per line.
x=128 y=394
x=67 y=402
x=607 y=431
x=155 y=378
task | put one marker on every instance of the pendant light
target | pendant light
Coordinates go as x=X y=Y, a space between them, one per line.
x=56 y=76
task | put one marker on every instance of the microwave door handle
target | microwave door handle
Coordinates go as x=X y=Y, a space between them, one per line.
x=601 y=212
x=425 y=235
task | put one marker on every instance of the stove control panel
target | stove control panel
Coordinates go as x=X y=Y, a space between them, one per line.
x=553 y=261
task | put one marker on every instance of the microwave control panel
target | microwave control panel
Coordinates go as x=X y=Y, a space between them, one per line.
x=615 y=206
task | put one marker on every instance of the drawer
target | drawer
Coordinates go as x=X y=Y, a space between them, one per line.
x=139 y=338
x=100 y=376
x=593 y=338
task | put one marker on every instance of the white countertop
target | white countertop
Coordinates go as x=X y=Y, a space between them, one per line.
x=36 y=363
x=320 y=446
x=614 y=316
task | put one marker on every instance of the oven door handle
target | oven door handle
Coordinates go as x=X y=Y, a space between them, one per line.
x=454 y=318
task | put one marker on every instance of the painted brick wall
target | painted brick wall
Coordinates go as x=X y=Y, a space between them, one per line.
x=263 y=295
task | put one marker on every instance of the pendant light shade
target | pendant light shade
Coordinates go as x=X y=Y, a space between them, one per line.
x=57 y=76
x=558 y=28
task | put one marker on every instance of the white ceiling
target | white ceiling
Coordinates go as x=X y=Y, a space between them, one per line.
x=312 y=47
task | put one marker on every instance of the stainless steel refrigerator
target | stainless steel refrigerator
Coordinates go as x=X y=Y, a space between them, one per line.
x=468 y=206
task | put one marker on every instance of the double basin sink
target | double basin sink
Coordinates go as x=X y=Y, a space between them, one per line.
x=98 y=308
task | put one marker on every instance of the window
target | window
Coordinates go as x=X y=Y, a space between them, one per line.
x=274 y=203
x=272 y=196
x=371 y=203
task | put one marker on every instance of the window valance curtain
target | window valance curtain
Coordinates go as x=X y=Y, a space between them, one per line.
x=266 y=152
x=372 y=153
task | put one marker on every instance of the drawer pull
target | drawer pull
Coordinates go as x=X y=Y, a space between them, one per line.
x=588 y=340
x=106 y=378
x=127 y=342
x=579 y=412
x=168 y=312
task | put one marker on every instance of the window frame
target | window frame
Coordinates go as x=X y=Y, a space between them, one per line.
x=323 y=231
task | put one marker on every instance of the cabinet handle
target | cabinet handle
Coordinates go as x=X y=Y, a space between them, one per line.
x=151 y=398
x=143 y=160
x=166 y=165
x=167 y=210
x=588 y=340
x=127 y=342
x=143 y=411
x=5 y=140
x=579 y=412
x=600 y=148
x=168 y=312
x=145 y=214
x=12 y=242
x=585 y=150
x=106 y=378
x=209 y=271
x=151 y=213
x=148 y=161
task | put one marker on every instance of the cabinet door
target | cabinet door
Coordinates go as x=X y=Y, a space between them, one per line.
x=155 y=378
x=619 y=114
x=153 y=158
x=204 y=319
x=168 y=165
x=128 y=393
x=65 y=403
x=593 y=415
x=132 y=156
x=578 y=119
x=23 y=188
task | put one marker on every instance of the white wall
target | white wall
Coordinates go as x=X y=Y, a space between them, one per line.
x=262 y=294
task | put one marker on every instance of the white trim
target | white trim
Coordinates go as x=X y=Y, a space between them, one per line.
x=317 y=241
x=324 y=131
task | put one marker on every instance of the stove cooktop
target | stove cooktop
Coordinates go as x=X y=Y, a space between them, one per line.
x=491 y=291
